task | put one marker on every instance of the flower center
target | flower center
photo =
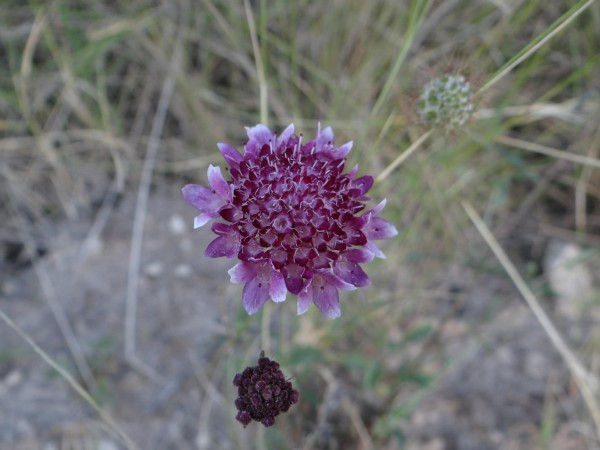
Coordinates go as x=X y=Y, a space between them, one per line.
x=294 y=206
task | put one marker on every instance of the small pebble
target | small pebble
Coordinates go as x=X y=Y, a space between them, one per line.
x=182 y=271
x=177 y=225
x=154 y=269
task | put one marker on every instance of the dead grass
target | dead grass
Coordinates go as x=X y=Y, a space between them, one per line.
x=100 y=100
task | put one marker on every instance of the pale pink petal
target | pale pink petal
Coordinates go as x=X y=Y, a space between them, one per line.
x=255 y=295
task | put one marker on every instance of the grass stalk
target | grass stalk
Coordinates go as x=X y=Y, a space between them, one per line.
x=78 y=388
x=560 y=24
x=260 y=67
x=419 y=11
x=403 y=156
x=548 y=151
x=142 y=200
x=587 y=383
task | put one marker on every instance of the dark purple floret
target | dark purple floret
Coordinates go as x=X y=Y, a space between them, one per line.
x=293 y=217
x=263 y=393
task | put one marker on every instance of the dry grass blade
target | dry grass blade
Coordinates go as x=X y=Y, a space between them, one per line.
x=548 y=151
x=588 y=384
x=402 y=157
x=106 y=418
x=51 y=297
x=548 y=34
x=260 y=68
x=142 y=202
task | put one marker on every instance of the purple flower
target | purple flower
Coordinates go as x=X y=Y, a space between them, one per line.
x=292 y=217
x=263 y=393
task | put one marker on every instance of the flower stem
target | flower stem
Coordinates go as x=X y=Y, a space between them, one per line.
x=266 y=329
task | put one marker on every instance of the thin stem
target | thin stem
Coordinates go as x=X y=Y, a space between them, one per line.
x=266 y=329
x=260 y=68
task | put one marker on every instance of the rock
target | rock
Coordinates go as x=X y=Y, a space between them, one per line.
x=569 y=276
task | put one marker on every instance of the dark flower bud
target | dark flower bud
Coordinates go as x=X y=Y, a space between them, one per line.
x=263 y=393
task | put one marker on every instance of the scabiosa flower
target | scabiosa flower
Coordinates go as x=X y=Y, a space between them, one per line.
x=446 y=101
x=263 y=393
x=292 y=217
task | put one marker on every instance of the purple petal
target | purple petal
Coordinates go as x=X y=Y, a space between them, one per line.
x=231 y=155
x=353 y=172
x=305 y=299
x=333 y=154
x=363 y=184
x=377 y=209
x=255 y=294
x=277 y=288
x=218 y=183
x=324 y=139
x=204 y=199
x=292 y=274
x=197 y=195
x=242 y=272
x=285 y=135
x=371 y=247
x=359 y=222
x=358 y=255
x=260 y=134
x=227 y=244
x=202 y=219
x=334 y=280
x=351 y=273
x=342 y=151
x=379 y=228
x=326 y=297
x=222 y=246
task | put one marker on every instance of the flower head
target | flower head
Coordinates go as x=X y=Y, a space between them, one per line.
x=446 y=101
x=293 y=217
x=263 y=393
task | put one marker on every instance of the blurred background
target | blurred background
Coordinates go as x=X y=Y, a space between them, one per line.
x=107 y=108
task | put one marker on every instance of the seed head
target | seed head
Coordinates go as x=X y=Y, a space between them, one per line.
x=263 y=393
x=446 y=101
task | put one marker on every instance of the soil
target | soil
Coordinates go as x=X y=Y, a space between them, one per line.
x=504 y=382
